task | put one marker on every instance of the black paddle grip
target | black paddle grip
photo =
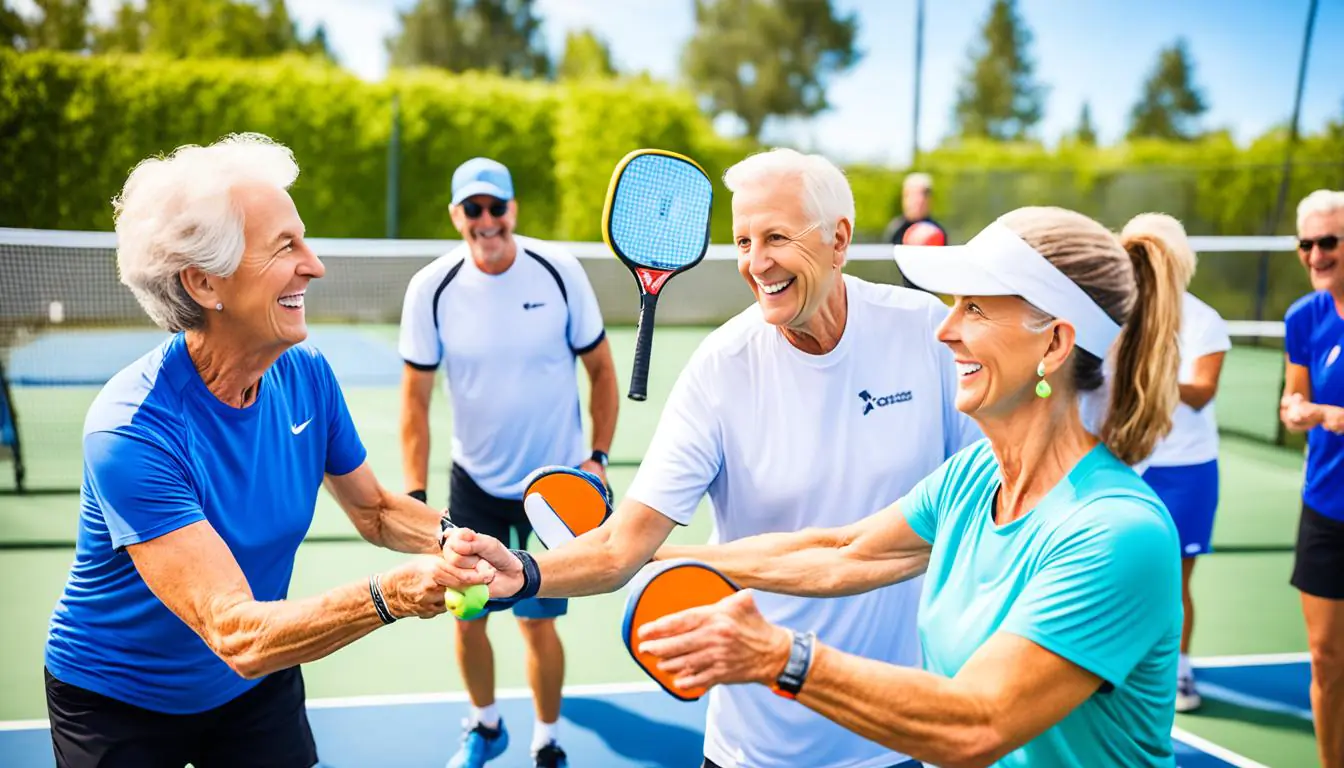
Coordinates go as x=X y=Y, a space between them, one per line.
x=639 y=382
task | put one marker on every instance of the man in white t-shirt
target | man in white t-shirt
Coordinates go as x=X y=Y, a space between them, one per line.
x=505 y=316
x=1183 y=468
x=826 y=400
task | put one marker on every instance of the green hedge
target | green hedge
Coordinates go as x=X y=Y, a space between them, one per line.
x=73 y=127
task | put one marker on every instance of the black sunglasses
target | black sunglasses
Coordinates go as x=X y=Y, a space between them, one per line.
x=474 y=209
x=1327 y=243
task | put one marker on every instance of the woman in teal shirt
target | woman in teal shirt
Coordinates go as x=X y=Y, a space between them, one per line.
x=1051 y=610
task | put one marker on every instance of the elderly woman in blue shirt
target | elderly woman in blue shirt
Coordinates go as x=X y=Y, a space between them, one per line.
x=1313 y=402
x=1051 y=611
x=174 y=641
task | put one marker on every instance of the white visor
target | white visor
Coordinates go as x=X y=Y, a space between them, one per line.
x=997 y=262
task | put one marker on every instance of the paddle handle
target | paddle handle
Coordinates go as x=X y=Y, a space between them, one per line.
x=639 y=381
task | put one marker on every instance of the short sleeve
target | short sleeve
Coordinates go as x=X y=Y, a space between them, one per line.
x=1297 y=334
x=921 y=505
x=586 y=329
x=1213 y=336
x=686 y=452
x=419 y=343
x=345 y=451
x=142 y=489
x=1106 y=594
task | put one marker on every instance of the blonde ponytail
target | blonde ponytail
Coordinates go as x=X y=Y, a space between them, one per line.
x=1144 y=392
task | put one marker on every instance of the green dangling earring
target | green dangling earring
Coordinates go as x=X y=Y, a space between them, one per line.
x=1042 y=386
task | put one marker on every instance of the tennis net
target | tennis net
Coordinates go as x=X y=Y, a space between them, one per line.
x=67 y=323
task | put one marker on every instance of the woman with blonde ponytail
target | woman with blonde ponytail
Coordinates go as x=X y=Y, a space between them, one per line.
x=1051 y=611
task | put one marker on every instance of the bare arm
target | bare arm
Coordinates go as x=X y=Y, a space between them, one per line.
x=1200 y=392
x=604 y=401
x=193 y=573
x=1296 y=410
x=387 y=519
x=417 y=387
x=879 y=550
x=599 y=561
x=1008 y=693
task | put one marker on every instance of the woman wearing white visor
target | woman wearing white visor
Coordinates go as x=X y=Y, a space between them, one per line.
x=1051 y=612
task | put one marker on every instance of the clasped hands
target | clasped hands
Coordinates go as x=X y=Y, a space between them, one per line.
x=723 y=643
x=1300 y=414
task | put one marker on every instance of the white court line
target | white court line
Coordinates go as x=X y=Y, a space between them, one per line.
x=1252 y=660
x=1209 y=748
x=404 y=699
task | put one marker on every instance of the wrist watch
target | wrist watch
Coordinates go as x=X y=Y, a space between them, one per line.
x=790 y=681
x=600 y=457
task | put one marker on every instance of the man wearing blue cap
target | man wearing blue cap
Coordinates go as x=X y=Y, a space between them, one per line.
x=505 y=316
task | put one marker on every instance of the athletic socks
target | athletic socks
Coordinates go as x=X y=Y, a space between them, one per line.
x=487 y=716
x=544 y=733
x=1185 y=671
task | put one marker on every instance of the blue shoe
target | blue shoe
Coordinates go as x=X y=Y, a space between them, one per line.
x=550 y=756
x=480 y=745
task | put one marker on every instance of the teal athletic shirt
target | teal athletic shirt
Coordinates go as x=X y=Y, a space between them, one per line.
x=1091 y=574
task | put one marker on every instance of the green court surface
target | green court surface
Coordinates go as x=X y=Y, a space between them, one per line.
x=1244 y=603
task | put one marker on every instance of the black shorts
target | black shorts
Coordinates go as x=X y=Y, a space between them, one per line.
x=1318 y=568
x=265 y=727
x=469 y=506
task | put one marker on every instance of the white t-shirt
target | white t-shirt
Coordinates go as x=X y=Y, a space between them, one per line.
x=1194 y=434
x=507 y=344
x=783 y=440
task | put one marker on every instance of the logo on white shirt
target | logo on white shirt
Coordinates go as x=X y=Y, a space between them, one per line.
x=533 y=304
x=297 y=428
x=870 y=402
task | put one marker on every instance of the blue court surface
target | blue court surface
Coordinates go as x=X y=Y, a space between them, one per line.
x=638 y=725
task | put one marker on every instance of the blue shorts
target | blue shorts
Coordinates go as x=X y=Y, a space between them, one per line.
x=1191 y=496
x=469 y=506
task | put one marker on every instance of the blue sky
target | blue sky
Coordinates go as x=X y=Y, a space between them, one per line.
x=1100 y=51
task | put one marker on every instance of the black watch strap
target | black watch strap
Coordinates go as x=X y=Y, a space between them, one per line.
x=790 y=682
x=601 y=458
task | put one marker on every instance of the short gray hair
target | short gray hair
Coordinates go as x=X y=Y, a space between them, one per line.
x=1321 y=201
x=179 y=211
x=921 y=180
x=827 y=197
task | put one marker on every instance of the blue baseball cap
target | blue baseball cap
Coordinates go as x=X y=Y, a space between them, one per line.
x=481 y=176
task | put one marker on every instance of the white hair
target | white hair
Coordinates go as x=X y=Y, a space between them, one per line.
x=826 y=195
x=1170 y=231
x=179 y=211
x=921 y=180
x=1321 y=201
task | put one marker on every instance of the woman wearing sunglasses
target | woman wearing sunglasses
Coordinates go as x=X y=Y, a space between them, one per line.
x=1313 y=402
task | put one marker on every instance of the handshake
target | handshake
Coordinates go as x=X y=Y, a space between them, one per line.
x=477 y=572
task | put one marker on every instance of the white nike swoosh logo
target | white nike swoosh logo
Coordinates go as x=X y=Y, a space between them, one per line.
x=297 y=428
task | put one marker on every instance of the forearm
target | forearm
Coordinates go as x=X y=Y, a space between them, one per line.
x=604 y=404
x=813 y=562
x=406 y=525
x=592 y=564
x=415 y=446
x=1196 y=395
x=257 y=638
x=929 y=717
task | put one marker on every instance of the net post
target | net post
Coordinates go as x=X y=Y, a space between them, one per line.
x=394 y=169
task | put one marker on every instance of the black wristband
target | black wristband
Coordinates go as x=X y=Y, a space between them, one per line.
x=379 y=604
x=601 y=458
x=790 y=681
x=419 y=495
x=531 y=582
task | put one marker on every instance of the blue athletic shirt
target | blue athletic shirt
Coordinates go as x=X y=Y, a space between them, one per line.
x=1091 y=574
x=162 y=452
x=1314 y=333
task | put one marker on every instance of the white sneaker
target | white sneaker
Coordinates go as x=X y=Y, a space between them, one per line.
x=1187 y=698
